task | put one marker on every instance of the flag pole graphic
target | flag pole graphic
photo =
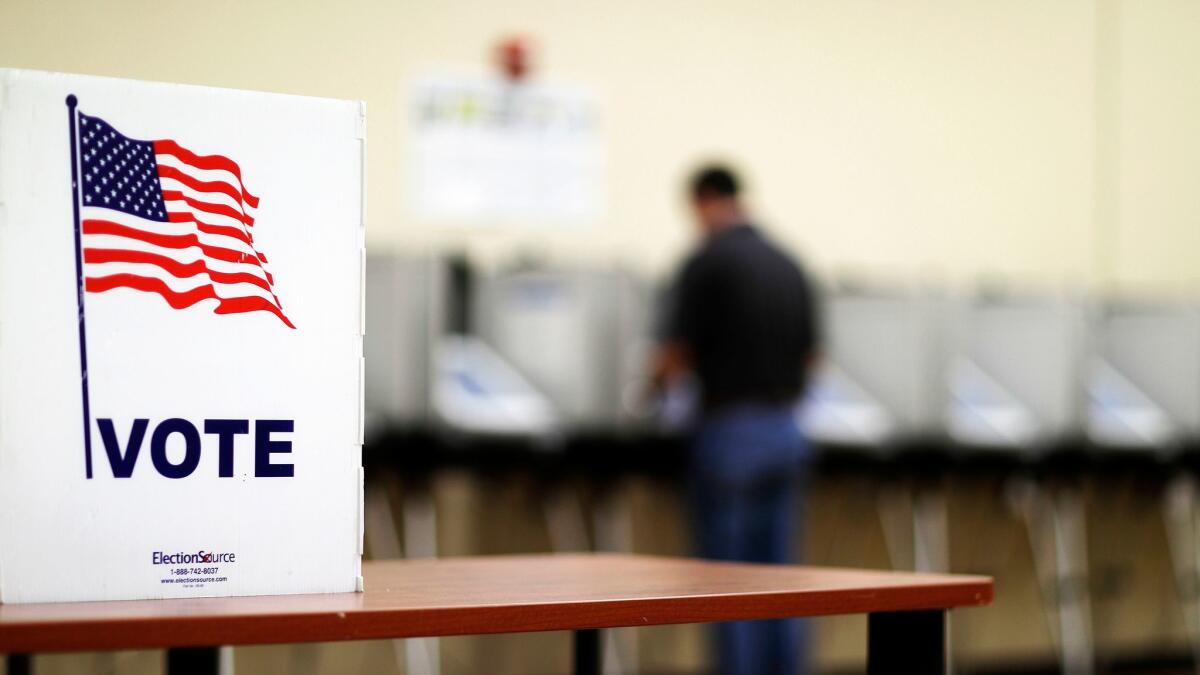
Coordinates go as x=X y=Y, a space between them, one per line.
x=83 y=367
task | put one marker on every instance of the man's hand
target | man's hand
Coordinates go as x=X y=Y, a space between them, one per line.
x=671 y=361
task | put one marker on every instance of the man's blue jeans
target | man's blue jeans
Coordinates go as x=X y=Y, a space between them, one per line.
x=747 y=472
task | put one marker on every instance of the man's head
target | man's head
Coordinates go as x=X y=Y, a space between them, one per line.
x=713 y=191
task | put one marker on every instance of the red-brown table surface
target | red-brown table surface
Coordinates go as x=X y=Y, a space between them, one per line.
x=506 y=594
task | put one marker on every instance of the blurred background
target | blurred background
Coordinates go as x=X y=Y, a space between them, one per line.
x=996 y=200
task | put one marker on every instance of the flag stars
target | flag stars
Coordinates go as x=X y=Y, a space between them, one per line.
x=120 y=172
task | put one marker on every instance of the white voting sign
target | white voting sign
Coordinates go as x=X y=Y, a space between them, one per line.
x=180 y=340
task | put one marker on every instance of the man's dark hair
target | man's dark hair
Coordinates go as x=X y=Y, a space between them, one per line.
x=714 y=181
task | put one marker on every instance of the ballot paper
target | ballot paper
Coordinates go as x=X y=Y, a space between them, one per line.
x=180 y=340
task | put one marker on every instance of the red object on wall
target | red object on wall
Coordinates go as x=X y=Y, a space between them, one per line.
x=512 y=55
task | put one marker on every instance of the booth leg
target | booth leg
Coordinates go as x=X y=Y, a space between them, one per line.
x=19 y=664
x=588 y=659
x=909 y=643
x=193 y=661
x=1183 y=536
x=1055 y=519
x=422 y=656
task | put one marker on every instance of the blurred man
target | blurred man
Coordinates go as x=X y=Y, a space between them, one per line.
x=743 y=322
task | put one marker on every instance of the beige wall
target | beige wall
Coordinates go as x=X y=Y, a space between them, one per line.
x=1042 y=141
x=1158 y=238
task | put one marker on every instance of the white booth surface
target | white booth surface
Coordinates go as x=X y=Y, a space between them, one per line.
x=1144 y=382
x=882 y=381
x=1015 y=383
x=180 y=340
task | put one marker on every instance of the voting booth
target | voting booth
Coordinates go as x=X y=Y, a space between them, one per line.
x=581 y=335
x=1015 y=383
x=181 y=327
x=882 y=384
x=1143 y=383
x=407 y=316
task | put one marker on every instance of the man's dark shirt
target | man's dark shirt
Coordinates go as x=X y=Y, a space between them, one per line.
x=746 y=312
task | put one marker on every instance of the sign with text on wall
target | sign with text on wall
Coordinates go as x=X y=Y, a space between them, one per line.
x=180 y=340
x=486 y=151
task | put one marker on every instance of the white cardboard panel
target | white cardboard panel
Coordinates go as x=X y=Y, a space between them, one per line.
x=65 y=536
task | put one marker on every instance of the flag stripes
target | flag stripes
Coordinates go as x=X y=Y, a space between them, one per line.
x=158 y=218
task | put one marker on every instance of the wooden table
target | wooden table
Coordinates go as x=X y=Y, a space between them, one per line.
x=461 y=596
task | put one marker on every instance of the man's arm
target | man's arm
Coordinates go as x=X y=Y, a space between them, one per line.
x=812 y=320
x=673 y=357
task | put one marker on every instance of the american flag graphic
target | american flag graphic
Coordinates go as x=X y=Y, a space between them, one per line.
x=159 y=218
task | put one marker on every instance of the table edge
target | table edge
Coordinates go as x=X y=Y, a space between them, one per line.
x=369 y=624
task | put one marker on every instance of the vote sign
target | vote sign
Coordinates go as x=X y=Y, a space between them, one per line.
x=180 y=340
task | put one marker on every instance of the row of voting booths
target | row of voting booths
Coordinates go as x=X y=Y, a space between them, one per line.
x=530 y=375
x=1045 y=390
x=543 y=368
x=531 y=353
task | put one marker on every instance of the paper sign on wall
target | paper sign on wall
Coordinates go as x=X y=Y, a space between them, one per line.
x=180 y=340
x=487 y=152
